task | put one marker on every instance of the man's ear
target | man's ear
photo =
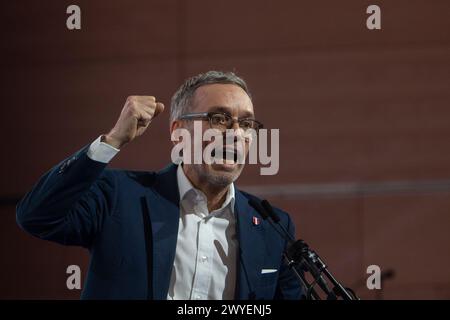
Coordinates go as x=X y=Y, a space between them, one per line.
x=173 y=126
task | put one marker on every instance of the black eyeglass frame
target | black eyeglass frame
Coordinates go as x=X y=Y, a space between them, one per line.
x=209 y=116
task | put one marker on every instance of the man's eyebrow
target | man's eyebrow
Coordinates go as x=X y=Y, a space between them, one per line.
x=245 y=114
x=220 y=109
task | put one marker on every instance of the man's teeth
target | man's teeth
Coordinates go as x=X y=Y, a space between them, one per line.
x=227 y=161
x=228 y=156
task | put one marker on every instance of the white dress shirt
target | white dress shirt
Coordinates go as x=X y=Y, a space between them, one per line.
x=206 y=251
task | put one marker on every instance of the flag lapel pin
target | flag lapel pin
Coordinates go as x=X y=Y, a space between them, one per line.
x=256 y=221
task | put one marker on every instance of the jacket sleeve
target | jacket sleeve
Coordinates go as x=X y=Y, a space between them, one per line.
x=69 y=203
x=289 y=286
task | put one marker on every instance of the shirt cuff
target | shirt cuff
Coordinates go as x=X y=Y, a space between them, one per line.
x=101 y=151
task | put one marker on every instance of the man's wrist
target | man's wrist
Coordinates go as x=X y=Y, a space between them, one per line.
x=105 y=138
x=101 y=151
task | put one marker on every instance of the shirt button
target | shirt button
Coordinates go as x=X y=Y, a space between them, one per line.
x=204 y=258
x=198 y=297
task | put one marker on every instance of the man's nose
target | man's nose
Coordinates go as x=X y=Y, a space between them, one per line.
x=235 y=125
x=239 y=134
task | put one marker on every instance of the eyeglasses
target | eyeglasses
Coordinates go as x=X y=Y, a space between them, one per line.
x=223 y=121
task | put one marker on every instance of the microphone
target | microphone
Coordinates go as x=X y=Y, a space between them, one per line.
x=269 y=209
x=257 y=206
x=265 y=215
x=266 y=205
x=299 y=251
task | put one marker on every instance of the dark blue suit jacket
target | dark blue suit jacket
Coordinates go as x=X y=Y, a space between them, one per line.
x=129 y=222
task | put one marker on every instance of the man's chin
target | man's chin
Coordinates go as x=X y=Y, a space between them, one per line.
x=226 y=173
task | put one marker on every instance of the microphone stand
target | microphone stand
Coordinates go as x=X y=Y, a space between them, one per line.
x=311 y=293
x=301 y=253
x=298 y=254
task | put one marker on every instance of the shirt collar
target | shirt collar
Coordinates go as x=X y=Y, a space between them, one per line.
x=184 y=186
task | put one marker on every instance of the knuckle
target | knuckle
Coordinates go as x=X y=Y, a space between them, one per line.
x=130 y=103
x=131 y=107
x=148 y=115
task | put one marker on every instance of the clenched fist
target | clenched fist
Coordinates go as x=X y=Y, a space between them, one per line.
x=134 y=119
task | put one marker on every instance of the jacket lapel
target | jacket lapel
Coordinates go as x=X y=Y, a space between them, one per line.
x=164 y=211
x=251 y=249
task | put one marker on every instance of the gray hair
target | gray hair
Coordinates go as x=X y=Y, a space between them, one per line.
x=182 y=98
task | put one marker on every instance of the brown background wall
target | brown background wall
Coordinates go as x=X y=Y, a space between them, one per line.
x=364 y=118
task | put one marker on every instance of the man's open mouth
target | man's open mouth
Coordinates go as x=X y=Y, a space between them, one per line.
x=225 y=155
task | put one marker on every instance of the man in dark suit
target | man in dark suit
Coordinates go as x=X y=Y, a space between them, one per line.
x=184 y=232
